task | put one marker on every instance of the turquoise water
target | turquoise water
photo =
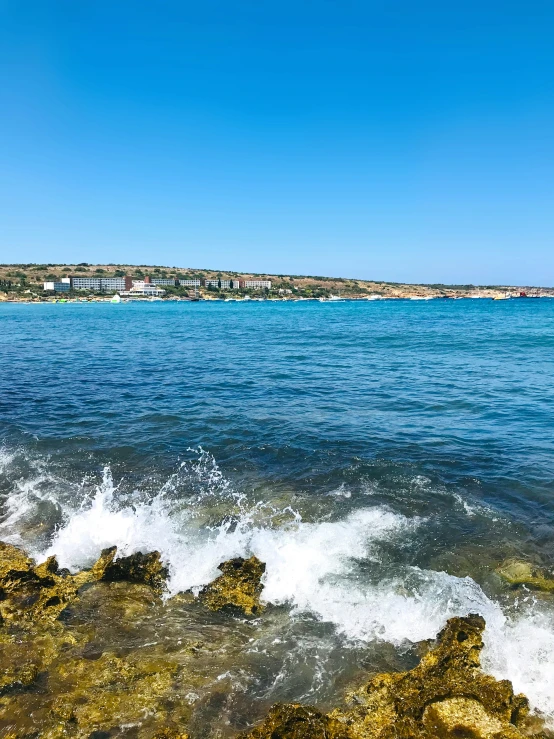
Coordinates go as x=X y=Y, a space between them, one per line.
x=382 y=457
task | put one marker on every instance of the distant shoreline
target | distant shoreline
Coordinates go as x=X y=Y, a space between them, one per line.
x=219 y=301
x=43 y=281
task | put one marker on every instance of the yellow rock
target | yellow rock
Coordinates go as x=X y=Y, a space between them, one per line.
x=239 y=587
x=294 y=721
x=464 y=717
x=41 y=592
x=447 y=696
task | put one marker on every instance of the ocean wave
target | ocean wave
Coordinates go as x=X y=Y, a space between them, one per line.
x=329 y=570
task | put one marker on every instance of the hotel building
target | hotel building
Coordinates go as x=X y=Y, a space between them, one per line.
x=223 y=284
x=189 y=283
x=256 y=284
x=101 y=284
x=59 y=287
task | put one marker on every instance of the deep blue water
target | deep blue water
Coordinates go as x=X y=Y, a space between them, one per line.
x=436 y=412
x=462 y=390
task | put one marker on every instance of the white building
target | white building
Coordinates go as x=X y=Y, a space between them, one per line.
x=59 y=287
x=223 y=284
x=163 y=281
x=99 y=284
x=143 y=288
x=189 y=283
x=257 y=284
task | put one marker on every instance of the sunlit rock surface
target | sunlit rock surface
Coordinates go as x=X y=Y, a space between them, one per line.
x=294 y=721
x=447 y=695
x=100 y=654
x=239 y=587
x=41 y=592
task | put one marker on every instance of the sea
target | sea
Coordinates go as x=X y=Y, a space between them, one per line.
x=383 y=458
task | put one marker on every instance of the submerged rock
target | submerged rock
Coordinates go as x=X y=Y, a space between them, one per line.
x=27 y=653
x=239 y=587
x=517 y=572
x=447 y=696
x=294 y=721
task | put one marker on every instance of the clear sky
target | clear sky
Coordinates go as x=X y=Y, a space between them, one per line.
x=407 y=141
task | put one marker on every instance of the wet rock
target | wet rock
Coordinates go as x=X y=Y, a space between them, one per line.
x=517 y=572
x=111 y=691
x=294 y=721
x=78 y=697
x=26 y=653
x=36 y=593
x=33 y=593
x=459 y=717
x=447 y=696
x=14 y=565
x=138 y=568
x=239 y=587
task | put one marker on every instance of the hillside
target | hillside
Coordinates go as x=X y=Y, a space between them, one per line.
x=19 y=278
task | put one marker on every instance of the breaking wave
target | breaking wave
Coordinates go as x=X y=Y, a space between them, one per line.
x=330 y=570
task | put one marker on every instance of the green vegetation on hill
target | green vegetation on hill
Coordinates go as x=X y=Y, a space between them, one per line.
x=22 y=279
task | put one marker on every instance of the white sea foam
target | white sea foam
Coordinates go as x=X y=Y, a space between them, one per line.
x=6 y=458
x=522 y=650
x=329 y=570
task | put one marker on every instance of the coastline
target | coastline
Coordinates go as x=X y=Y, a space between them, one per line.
x=414 y=298
x=63 y=678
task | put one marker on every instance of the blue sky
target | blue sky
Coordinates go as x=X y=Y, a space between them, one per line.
x=408 y=141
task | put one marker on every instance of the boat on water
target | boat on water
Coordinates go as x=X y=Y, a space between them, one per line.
x=332 y=299
x=116 y=299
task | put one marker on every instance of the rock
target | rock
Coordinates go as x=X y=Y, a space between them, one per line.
x=398 y=704
x=14 y=565
x=294 y=721
x=139 y=568
x=517 y=572
x=239 y=587
x=26 y=653
x=464 y=717
x=447 y=696
x=95 y=694
x=41 y=592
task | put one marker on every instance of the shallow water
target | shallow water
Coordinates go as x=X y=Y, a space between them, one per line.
x=382 y=458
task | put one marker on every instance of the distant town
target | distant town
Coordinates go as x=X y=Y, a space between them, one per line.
x=149 y=286
x=84 y=281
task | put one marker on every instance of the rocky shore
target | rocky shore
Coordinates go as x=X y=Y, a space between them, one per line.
x=61 y=678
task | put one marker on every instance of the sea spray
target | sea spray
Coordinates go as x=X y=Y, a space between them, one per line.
x=331 y=570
